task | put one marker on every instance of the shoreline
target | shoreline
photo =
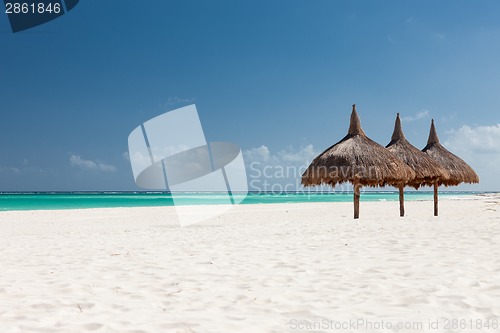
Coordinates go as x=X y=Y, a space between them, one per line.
x=248 y=201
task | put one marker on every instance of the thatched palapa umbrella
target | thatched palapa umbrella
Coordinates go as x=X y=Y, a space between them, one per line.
x=426 y=170
x=358 y=160
x=459 y=171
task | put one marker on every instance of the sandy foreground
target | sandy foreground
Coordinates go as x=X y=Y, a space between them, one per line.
x=257 y=268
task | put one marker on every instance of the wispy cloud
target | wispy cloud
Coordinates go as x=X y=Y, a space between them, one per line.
x=410 y=19
x=480 y=147
x=439 y=36
x=352 y=16
x=24 y=169
x=420 y=115
x=10 y=170
x=448 y=118
x=178 y=101
x=78 y=161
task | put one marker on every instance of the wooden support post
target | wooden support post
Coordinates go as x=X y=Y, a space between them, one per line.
x=436 y=198
x=356 y=199
x=401 y=201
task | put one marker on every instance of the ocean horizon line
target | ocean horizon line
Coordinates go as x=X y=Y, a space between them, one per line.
x=242 y=192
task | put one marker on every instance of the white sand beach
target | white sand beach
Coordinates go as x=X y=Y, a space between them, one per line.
x=257 y=268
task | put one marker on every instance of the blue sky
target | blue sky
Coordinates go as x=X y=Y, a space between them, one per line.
x=276 y=77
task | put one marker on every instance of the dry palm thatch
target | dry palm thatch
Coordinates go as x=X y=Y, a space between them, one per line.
x=459 y=171
x=427 y=171
x=358 y=160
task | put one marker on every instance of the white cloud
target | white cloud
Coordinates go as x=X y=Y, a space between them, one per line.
x=126 y=156
x=480 y=147
x=420 y=115
x=302 y=156
x=476 y=140
x=260 y=154
x=78 y=161
x=289 y=156
x=279 y=171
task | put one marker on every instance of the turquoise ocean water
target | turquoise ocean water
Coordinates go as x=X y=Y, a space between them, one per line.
x=75 y=200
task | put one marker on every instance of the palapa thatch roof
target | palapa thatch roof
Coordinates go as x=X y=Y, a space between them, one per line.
x=459 y=171
x=357 y=159
x=427 y=171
